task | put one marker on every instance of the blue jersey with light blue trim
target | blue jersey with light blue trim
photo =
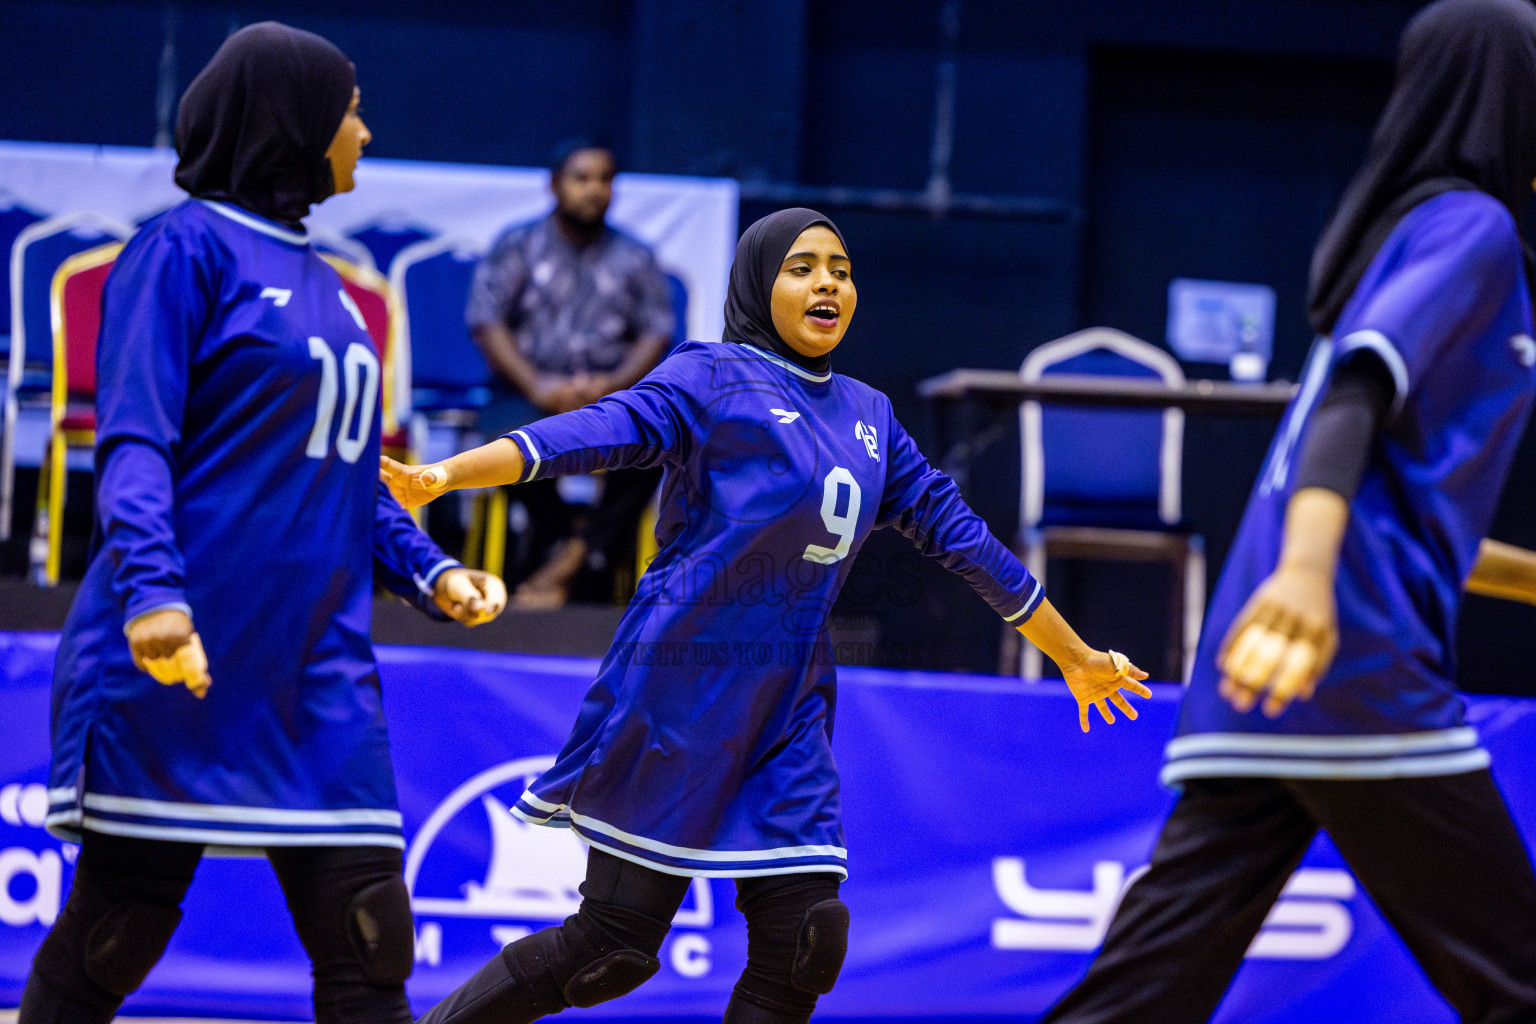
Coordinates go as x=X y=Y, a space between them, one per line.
x=237 y=449
x=704 y=746
x=1445 y=306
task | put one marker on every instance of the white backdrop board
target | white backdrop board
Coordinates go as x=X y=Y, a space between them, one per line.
x=690 y=222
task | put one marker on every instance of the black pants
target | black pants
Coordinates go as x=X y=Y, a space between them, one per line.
x=1439 y=856
x=627 y=906
x=124 y=904
x=635 y=905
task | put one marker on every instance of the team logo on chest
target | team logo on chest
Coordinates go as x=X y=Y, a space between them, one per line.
x=867 y=435
x=785 y=415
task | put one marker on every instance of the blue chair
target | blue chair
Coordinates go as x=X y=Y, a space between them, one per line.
x=1105 y=484
x=448 y=375
x=387 y=239
x=13 y=221
x=679 y=294
x=449 y=379
x=39 y=250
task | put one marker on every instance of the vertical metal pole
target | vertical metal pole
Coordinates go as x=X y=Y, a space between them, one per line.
x=939 y=191
x=165 y=93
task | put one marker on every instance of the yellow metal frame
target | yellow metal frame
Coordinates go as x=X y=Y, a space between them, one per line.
x=485 y=546
x=646 y=548
x=51 y=481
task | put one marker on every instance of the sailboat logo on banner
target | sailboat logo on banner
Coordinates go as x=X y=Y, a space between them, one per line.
x=472 y=864
x=534 y=872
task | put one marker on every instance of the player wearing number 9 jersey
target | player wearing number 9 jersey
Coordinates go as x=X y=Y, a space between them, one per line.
x=237 y=444
x=704 y=746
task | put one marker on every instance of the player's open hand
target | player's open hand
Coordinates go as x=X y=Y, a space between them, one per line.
x=469 y=596
x=1281 y=643
x=164 y=645
x=1099 y=680
x=413 y=486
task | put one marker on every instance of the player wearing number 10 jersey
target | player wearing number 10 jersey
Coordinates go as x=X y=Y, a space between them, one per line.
x=239 y=528
x=238 y=435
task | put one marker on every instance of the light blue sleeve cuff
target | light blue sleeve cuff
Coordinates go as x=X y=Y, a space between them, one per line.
x=531 y=457
x=1023 y=615
x=178 y=606
x=426 y=583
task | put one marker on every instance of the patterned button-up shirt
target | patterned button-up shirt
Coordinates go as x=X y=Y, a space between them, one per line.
x=571 y=308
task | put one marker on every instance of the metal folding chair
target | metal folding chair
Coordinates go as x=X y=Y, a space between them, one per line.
x=450 y=381
x=38 y=251
x=1105 y=484
x=75 y=314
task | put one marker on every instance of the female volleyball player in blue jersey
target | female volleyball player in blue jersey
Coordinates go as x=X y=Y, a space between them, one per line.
x=237 y=492
x=694 y=754
x=1322 y=695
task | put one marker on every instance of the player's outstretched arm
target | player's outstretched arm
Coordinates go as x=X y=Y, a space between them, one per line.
x=1504 y=571
x=1096 y=678
x=1284 y=638
x=491 y=465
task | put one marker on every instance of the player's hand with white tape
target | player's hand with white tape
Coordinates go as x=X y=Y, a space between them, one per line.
x=1281 y=642
x=469 y=596
x=164 y=645
x=1099 y=680
x=413 y=486
x=1096 y=678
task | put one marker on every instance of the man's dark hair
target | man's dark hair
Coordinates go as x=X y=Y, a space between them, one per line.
x=577 y=143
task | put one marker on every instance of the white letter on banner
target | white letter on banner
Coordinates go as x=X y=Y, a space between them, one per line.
x=1081 y=918
x=47 y=874
x=429 y=944
x=1308 y=929
x=690 y=956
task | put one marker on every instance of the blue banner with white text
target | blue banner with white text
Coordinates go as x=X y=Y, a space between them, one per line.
x=989 y=841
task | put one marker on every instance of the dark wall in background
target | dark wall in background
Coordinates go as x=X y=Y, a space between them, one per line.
x=1186 y=138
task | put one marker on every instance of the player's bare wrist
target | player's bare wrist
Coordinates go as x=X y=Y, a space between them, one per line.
x=1073 y=657
x=1321 y=565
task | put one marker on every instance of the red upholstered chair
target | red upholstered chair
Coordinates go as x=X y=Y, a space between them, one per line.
x=35 y=256
x=376 y=302
x=75 y=315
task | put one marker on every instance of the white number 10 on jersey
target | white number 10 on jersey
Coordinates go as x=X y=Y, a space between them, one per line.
x=841 y=526
x=360 y=372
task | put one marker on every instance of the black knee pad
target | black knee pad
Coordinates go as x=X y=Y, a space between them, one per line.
x=383 y=932
x=580 y=961
x=820 y=947
x=126 y=942
x=609 y=977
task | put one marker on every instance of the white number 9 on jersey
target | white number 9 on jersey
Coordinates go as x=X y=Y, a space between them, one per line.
x=361 y=375
x=840 y=526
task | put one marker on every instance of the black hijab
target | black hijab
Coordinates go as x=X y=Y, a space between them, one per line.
x=748 y=314
x=255 y=123
x=1462 y=115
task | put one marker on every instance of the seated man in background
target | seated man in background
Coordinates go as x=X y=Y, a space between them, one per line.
x=568 y=309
